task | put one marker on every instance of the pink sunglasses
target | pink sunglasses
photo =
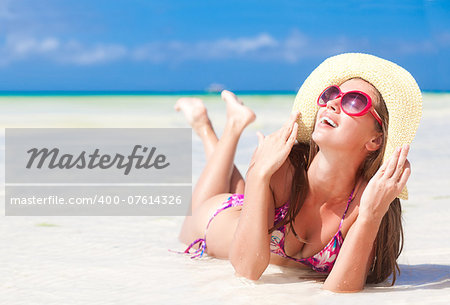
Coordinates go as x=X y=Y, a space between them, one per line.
x=353 y=103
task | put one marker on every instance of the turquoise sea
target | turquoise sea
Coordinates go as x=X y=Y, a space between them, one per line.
x=117 y=260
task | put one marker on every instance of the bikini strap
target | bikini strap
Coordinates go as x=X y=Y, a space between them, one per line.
x=202 y=241
x=346 y=209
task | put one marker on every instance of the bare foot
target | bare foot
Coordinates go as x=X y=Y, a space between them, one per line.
x=194 y=111
x=236 y=110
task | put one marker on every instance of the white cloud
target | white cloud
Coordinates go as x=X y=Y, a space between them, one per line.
x=243 y=45
x=294 y=46
x=18 y=48
x=261 y=47
x=95 y=55
x=49 y=44
x=23 y=46
x=215 y=49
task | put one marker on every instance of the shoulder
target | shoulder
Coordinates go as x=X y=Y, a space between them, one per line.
x=281 y=183
x=281 y=180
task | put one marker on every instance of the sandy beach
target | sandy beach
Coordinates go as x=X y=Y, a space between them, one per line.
x=125 y=260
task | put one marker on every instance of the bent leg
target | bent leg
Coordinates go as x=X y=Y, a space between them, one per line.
x=209 y=140
x=219 y=175
x=216 y=176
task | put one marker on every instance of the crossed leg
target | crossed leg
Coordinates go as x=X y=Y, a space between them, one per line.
x=220 y=175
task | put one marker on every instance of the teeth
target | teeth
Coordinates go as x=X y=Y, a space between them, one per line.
x=328 y=120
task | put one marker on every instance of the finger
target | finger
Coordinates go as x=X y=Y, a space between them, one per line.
x=401 y=162
x=287 y=128
x=382 y=168
x=260 y=138
x=392 y=163
x=293 y=135
x=291 y=140
x=404 y=177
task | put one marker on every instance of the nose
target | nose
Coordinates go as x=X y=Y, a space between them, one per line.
x=334 y=105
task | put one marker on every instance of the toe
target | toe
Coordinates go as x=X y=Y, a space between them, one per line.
x=228 y=95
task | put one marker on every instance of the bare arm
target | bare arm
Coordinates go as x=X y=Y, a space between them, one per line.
x=355 y=258
x=350 y=271
x=250 y=248
x=249 y=253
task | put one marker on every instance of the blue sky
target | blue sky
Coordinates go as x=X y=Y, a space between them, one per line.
x=188 y=45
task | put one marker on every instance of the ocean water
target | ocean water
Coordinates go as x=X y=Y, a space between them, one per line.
x=125 y=260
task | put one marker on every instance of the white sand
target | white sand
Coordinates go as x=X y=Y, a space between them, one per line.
x=125 y=260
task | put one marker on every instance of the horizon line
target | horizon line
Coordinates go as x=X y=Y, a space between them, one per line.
x=133 y=92
x=4 y=93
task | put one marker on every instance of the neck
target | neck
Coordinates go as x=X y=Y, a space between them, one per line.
x=332 y=177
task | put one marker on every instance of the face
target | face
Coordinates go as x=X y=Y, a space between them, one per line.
x=348 y=132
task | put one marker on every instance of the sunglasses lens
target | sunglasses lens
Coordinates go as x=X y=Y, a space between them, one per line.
x=328 y=95
x=354 y=102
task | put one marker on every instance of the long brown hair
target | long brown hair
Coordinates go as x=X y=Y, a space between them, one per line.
x=389 y=241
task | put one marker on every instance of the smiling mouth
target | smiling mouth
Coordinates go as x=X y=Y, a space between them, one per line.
x=326 y=120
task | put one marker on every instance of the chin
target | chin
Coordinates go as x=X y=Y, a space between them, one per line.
x=323 y=139
x=320 y=137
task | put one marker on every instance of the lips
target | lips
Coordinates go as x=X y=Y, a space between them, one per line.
x=328 y=121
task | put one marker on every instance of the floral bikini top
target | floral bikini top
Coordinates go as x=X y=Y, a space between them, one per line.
x=320 y=262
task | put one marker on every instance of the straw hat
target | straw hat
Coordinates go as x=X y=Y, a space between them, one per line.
x=396 y=85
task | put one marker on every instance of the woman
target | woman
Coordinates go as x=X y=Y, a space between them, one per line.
x=352 y=112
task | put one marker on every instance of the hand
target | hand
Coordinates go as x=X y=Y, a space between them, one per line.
x=273 y=150
x=385 y=185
